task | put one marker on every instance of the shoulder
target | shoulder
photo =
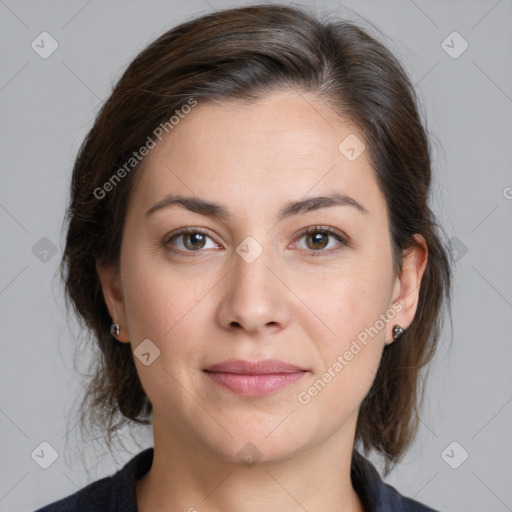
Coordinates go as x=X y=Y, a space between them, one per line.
x=378 y=496
x=110 y=494
x=94 y=497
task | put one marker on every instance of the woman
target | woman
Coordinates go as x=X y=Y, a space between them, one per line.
x=251 y=244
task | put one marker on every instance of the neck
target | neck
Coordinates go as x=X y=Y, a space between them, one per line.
x=185 y=476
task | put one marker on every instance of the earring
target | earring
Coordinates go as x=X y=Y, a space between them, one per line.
x=115 y=330
x=398 y=332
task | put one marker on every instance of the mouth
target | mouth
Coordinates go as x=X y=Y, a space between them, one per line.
x=254 y=378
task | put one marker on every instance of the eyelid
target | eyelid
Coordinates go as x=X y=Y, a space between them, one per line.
x=184 y=231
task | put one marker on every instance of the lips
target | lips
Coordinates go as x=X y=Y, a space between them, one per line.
x=263 y=367
x=254 y=378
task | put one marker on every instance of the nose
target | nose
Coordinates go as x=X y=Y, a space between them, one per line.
x=254 y=299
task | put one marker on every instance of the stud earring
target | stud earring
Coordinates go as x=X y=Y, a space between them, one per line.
x=398 y=332
x=115 y=330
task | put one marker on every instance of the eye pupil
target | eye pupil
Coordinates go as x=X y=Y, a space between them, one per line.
x=319 y=240
x=194 y=240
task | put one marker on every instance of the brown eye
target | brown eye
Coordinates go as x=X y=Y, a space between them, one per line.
x=194 y=241
x=188 y=241
x=317 y=239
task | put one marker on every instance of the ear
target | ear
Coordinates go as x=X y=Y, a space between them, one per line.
x=110 y=280
x=406 y=290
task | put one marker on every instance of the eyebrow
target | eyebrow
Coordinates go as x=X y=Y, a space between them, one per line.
x=290 y=209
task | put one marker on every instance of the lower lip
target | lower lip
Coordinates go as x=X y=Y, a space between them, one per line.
x=254 y=385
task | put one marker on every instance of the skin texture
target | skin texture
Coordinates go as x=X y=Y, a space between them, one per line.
x=291 y=303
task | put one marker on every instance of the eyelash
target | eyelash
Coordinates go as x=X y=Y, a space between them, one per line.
x=308 y=231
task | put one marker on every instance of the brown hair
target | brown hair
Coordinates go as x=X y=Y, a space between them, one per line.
x=244 y=54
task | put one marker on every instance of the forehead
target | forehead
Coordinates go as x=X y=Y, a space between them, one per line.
x=282 y=147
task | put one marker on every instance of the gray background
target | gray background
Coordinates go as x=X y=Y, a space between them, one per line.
x=47 y=106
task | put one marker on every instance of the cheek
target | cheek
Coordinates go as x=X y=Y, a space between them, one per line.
x=159 y=299
x=355 y=313
x=348 y=359
x=165 y=306
x=349 y=300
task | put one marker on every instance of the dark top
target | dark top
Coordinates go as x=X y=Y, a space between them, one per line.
x=116 y=493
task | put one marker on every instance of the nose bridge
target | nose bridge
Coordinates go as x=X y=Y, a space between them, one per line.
x=251 y=271
x=254 y=297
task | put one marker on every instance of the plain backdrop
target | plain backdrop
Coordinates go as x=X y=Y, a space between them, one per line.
x=461 y=459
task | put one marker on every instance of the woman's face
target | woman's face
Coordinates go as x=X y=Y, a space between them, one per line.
x=248 y=283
